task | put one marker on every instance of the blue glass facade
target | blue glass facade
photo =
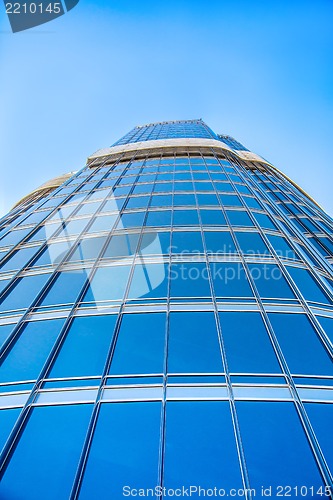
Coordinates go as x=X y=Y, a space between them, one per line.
x=166 y=319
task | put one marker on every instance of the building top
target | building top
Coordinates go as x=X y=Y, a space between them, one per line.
x=168 y=130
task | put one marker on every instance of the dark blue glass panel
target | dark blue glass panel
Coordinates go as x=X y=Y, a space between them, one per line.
x=49 y=431
x=155 y=243
x=185 y=218
x=183 y=200
x=149 y=280
x=7 y=421
x=4 y=333
x=23 y=292
x=321 y=418
x=193 y=343
x=189 y=279
x=247 y=344
x=251 y=202
x=131 y=220
x=230 y=199
x=327 y=324
x=14 y=237
x=251 y=243
x=212 y=217
x=272 y=457
x=230 y=280
x=207 y=199
x=28 y=354
x=163 y=200
x=163 y=187
x=108 y=283
x=239 y=218
x=219 y=242
x=65 y=289
x=122 y=245
x=140 y=344
x=282 y=248
x=126 y=456
x=138 y=202
x=200 y=446
x=159 y=218
x=142 y=188
x=19 y=259
x=270 y=281
x=187 y=242
x=85 y=348
x=302 y=348
x=308 y=286
x=224 y=187
x=182 y=186
x=264 y=221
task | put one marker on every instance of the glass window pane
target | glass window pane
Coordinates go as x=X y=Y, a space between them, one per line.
x=327 y=325
x=53 y=253
x=108 y=283
x=66 y=288
x=19 y=259
x=140 y=344
x=251 y=243
x=163 y=200
x=247 y=344
x=149 y=280
x=207 y=199
x=159 y=218
x=88 y=248
x=307 y=285
x=212 y=217
x=103 y=223
x=7 y=421
x=273 y=458
x=264 y=221
x=185 y=218
x=219 y=242
x=155 y=243
x=126 y=456
x=23 y=292
x=189 y=279
x=183 y=200
x=270 y=281
x=28 y=354
x=230 y=280
x=131 y=220
x=300 y=344
x=282 y=248
x=193 y=343
x=321 y=418
x=137 y=202
x=85 y=348
x=122 y=245
x=238 y=218
x=187 y=242
x=73 y=227
x=49 y=431
x=4 y=333
x=200 y=446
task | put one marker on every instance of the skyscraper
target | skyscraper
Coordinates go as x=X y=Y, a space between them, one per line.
x=166 y=320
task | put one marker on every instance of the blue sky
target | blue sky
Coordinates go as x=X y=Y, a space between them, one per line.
x=260 y=71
